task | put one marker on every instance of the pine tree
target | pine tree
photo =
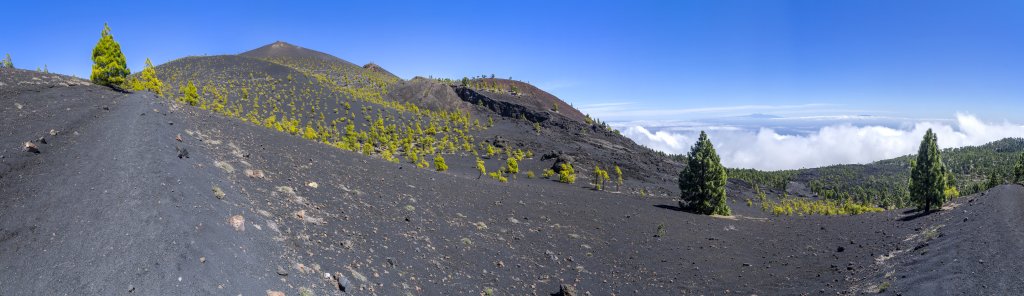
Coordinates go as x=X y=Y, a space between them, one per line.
x=439 y=163
x=566 y=173
x=512 y=165
x=1018 y=170
x=600 y=176
x=190 y=95
x=149 y=81
x=702 y=181
x=480 y=167
x=7 y=62
x=109 y=67
x=993 y=180
x=928 y=175
x=618 y=178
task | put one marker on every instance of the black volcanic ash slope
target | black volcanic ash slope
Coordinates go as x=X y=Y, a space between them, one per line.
x=108 y=207
x=282 y=84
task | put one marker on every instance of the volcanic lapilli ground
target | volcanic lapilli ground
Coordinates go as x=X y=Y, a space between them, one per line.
x=110 y=205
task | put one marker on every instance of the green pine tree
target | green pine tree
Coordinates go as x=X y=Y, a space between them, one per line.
x=7 y=62
x=993 y=180
x=480 y=167
x=618 y=178
x=148 y=80
x=702 y=181
x=109 y=67
x=189 y=94
x=439 y=163
x=928 y=175
x=1018 y=170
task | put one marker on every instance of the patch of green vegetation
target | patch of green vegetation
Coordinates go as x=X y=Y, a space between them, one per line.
x=884 y=286
x=600 y=176
x=789 y=206
x=884 y=183
x=567 y=174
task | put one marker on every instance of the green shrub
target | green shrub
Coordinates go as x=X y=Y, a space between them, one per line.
x=600 y=176
x=618 y=178
x=480 y=167
x=529 y=174
x=190 y=95
x=567 y=174
x=7 y=62
x=512 y=165
x=439 y=163
x=547 y=173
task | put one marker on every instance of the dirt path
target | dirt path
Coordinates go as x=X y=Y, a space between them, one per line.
x=108 y=208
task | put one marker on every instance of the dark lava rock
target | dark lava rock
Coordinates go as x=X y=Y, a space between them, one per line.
x=182 y=152
x=343 y=282
x=560 y=158
x=840 y=249
x=566 y=290
x=499 y=142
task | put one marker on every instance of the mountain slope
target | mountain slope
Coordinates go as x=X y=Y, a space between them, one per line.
x=280 y=49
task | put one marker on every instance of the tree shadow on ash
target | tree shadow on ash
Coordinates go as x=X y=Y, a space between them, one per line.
x=677 y=208
x=913 y=214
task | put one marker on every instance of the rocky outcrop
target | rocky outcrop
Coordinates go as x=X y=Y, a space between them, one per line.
x=503 y=108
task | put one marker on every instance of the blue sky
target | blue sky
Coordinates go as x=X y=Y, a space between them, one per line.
x=623 y=61
x=916 y=58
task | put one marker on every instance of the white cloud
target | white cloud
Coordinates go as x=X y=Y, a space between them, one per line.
x=834 y=144
x=621 y=110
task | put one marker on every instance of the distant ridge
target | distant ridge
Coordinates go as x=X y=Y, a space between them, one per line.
x=377 y=68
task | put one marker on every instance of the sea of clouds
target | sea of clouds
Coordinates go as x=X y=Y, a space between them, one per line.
x=792 y=143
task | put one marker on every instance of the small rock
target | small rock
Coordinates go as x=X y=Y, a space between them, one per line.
x=281 y=271
x=274 y=293
x=29 y=147
x=217 y=192
x=313 y=185
x=178 y=138
x=258 y=174
x=343 y=282
x=840 y=249
x=237 y=222
x=202 y=259
x=53 y=132
x=42 y=140
x=182 y=152
x=566 y=290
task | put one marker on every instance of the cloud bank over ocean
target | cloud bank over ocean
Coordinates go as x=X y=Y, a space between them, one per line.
x=774 y=143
